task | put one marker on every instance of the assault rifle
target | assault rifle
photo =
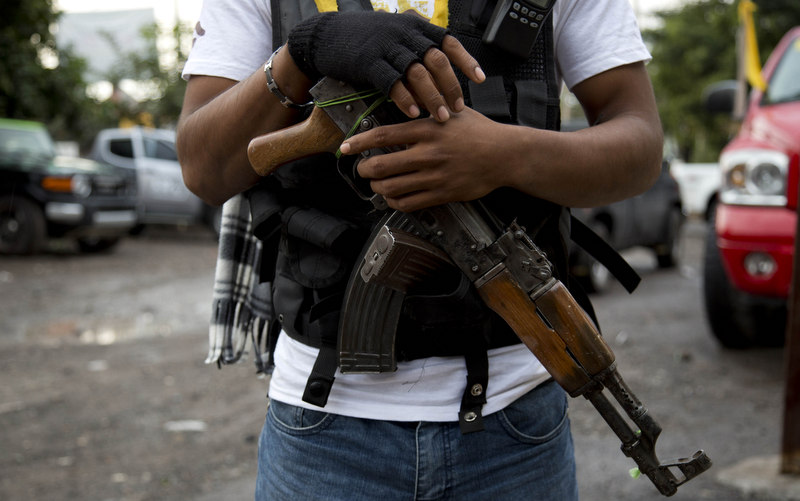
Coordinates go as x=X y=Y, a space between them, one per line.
x=511 y=274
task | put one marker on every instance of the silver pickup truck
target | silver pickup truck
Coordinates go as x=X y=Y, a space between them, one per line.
x=163 y=196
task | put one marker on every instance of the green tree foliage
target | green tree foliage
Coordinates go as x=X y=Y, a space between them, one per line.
x=38 y=81
x=41 y=81
x=695 y=46
x=158 y=69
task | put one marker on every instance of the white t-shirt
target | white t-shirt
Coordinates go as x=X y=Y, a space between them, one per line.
x=233 y=39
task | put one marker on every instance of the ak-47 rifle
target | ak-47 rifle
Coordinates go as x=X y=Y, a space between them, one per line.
x=511 y=274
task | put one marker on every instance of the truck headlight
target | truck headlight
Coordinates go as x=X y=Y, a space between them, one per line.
x=754 y=177
x=81 y=185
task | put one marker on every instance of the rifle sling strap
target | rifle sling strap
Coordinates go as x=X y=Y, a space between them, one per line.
x=606 y=255
x=470 y=417
x=319 y=383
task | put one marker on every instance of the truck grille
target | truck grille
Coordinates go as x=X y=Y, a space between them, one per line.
x=113 y=186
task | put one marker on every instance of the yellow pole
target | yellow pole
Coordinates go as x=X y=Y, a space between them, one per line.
x=752 y=61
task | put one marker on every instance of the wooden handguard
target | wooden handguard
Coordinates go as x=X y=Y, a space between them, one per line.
x=317 y=134
x=566 y=343
x=576 y=328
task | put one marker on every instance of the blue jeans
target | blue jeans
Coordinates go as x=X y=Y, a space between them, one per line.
x=525 y=452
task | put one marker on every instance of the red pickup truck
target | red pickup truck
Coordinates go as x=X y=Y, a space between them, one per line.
x=750 y=244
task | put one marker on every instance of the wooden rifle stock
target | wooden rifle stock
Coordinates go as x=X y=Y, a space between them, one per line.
x=316 y=134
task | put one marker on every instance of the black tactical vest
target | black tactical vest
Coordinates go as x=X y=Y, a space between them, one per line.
x=323 y=224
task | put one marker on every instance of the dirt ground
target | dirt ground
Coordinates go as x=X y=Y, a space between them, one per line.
x=105 y=395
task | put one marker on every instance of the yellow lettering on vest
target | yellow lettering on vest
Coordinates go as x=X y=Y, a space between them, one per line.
x=440 y=13
x=326 y=5
x=439 y=16
x=434 y=11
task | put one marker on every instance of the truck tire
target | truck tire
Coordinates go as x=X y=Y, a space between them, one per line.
x=23 y=229
x=717 y=294
x=737 y=320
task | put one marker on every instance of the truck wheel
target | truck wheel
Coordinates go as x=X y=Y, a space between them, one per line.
x=719 y=296
x=736 y=319
x=23 y=229
x=95 y=245
x=667 y=252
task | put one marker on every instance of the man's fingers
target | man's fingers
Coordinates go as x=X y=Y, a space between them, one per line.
x=421 y=84
x=447 y=83
x=404 y=100
x=385 y=136
x=385 y=168
x=433 y=84
x=458 y=55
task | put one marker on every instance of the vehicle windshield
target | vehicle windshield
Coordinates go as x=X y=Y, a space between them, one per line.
x=25 y=146
x=784 y=86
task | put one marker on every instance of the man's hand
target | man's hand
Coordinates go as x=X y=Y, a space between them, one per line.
x=469 y=155
x=378 y=49
x=432 y=83
x=442 y=162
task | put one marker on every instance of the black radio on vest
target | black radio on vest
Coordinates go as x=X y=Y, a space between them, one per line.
x=515 y=25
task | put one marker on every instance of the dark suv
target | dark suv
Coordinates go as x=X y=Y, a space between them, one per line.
x=47 y=196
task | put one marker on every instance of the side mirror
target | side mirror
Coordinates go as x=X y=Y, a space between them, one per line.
x=720 y=97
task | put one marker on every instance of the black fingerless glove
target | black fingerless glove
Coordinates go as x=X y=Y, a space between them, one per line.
x=371 y=49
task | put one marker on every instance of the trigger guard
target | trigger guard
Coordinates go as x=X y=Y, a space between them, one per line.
x=347 y=166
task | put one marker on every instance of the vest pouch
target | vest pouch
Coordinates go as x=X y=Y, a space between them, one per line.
x=489 y=98
x=319 y=246
x=304 y=314
x=288 y=298
x=533 y=104
x=265 y=211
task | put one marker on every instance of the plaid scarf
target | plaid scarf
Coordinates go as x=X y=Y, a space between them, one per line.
x=242 y=306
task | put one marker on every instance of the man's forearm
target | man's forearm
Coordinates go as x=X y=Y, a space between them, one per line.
x=619 y=157
x=219 y=119
x=469 y=156
x=594 y=166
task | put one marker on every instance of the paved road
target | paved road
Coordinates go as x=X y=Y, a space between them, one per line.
x=727 y=403
x=105 y=395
